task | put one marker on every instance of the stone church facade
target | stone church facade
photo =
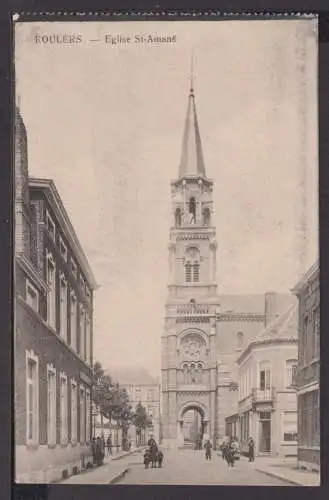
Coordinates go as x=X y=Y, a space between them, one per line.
x=204 y=332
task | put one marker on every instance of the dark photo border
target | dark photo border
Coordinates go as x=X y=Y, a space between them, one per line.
x=38 y=10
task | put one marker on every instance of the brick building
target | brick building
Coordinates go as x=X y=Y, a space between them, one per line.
x=307 y=375
x=54 y=288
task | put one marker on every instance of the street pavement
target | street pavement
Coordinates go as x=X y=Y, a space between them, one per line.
x=189 y=467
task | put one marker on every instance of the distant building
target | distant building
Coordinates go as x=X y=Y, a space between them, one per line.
x=141 y=388
x=266 y=399
x=54 y=288
x=307 y=375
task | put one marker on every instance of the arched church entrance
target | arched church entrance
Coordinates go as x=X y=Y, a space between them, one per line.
x=192 y=426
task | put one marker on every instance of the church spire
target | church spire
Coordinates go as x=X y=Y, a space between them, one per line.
x=192 y=163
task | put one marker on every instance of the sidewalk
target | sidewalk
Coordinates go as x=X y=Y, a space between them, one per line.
x=287 y=471
x=109 y=473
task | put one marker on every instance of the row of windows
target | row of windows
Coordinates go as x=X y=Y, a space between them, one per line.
x=32 y=405
x=32 y=298
x=84 y=319
x=139 y=393
x=192 y=209
x=264 y=378
x=63 y=251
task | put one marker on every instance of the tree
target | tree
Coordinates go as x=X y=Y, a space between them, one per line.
x=141 y=420
x=121 y=411
x=112 y=401
x=102 y=393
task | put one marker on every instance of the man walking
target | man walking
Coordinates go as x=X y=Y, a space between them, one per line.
x=251 y=449
x=109 y=445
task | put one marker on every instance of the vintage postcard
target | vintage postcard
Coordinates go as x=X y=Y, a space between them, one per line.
x=166 y=252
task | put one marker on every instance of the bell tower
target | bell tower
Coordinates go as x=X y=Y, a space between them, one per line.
x=189 y=367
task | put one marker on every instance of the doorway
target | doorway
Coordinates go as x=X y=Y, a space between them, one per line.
x=193 y=428
x=264 y=432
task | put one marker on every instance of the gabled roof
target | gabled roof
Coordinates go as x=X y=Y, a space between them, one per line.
x=284 y=326
x=192 y=163
x=55 y=201
x=248 y=303
x=310 y=273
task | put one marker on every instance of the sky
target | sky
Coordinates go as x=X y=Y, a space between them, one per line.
x=105 y=122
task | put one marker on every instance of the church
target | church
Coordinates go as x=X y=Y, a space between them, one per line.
x=204 y=332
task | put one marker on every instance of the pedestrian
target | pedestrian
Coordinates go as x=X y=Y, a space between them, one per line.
x=208 y=447
x=98 y=453
x=109 y=445
x=147 y=459
x=160 y=458
x=93 y=449
x=235 y=449
x=229 y=454
x=251 y=449
x=152 y=443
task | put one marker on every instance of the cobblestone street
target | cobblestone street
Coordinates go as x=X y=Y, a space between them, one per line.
x=190 y=467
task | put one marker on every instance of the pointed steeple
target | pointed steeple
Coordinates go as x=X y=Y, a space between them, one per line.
x=192 y=163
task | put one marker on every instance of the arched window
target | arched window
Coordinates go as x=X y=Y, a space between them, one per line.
x=192 y=265
x=206 y=217
x=188 y=272
x=192 y=209
x=178 y=217
x=240 y=340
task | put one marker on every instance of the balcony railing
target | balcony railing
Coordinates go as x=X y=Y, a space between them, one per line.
x=263 y=395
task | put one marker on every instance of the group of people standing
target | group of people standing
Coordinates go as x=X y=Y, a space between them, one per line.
x=230 y=450
x=98 y=450
x=98 y=446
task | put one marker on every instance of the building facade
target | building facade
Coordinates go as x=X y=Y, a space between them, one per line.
x=141 y=388
x=54 y=288
x=267 y=403
x=204 y=332
x=307 y=375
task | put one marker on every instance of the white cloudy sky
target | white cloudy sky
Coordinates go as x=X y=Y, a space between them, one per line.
x=106 y=123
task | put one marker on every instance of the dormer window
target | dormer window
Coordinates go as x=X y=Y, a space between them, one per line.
x=63 y=249
x=50 y=225
x=32 y=296
x=74 y=268
x=82 y=283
